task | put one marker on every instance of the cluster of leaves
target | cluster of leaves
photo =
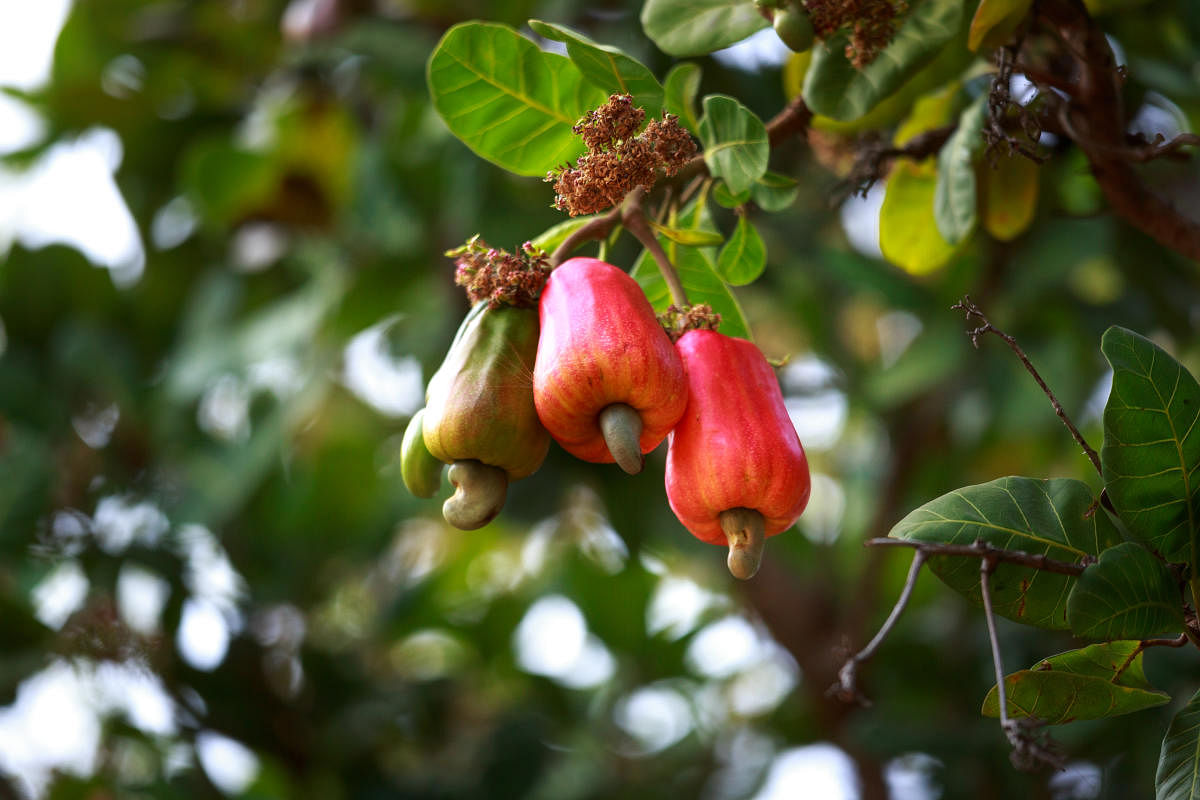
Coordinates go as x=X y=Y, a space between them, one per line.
x=1130 y=591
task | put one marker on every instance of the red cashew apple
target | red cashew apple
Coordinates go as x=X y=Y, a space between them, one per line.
x=736 y=472
x=607 y=383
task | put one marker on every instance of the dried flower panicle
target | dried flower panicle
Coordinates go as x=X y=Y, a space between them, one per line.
x=678 y=320
x=499 y=277
x=872 y=24
x=618 y=158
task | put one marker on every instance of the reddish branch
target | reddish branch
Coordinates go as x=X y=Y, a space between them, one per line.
x=1094 y=118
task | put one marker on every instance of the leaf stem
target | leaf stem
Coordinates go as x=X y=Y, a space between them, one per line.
x=634 y=217
x=966 y=305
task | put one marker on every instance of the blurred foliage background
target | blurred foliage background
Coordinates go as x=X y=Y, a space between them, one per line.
x=213 y=582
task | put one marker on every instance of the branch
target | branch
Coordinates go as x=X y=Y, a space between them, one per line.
x=1028 y=751
x=981 y=549
x=634 y=216
x=791 y=120
x=973 y=310
x=596 y=229
x=875 y=157
x=1094 y=114
x=846 y=689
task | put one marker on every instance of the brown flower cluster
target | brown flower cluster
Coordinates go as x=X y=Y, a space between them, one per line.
x=619 y=159
x=872 y=24
x=499 y=277
x=678 y=320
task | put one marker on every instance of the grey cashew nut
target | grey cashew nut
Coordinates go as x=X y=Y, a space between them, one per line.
x=745 y=529
x=479 y=492
x=622 y=429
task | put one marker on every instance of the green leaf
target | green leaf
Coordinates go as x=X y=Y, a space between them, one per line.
x=954 y=198
x=511 y=103
x=995 y=22
x=679 y=94
x=728 y=199
x=1178 y=776
x=1151 y=450
x=1103 y=680
x=693 y=237
x=698 y=27
x=774 y=192
x=932 y=110
x=551 y=238
x=744 y=256
x=908 y=234
x=834 y=88
x=1127 y=594
x=1056 y=518
x=735 y=142
x=607 y=67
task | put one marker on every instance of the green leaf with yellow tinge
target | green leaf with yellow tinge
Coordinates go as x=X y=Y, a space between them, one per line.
x=1009 y=197
x=908 y=233
x=934 y=110
x=1057 y=518
x=607 y=67
x=692 y=237
x=995 y=22
x=1096 y=682
x=735 y=142
x=507 y=100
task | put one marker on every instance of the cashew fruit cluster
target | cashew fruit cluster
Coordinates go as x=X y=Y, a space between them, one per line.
x=593 y=368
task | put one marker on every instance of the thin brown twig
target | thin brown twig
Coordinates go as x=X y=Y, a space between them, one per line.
x=1145 y=644
x=981 y=549
x=972 y=310
x=634 y=217
x=846 y=689
x=1027 y=751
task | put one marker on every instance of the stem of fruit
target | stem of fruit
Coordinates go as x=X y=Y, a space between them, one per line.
x=595 y=229
x=634 y=217
x=745 y=529
x=622 y=429
x=480 y=490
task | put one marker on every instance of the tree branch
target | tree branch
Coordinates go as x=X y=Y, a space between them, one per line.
x=1095 y=120
x=972 y=310
x=846 y=689
x=596 y=229
x=981 y=549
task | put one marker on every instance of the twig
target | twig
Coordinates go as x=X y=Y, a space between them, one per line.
x=597 y=228
x=634 y=216
x=1145 y=644
x=875 y=157
x=981 y=549
x=791 y=120
x=846 y=689
x=972 y=310
x=1028 y=752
